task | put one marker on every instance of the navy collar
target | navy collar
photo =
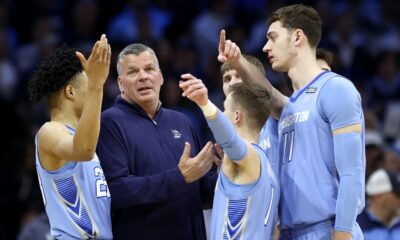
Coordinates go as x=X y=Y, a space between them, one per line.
x=299 y=92
x=120 y=102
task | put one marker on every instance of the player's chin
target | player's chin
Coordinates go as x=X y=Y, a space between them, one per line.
x=277 y=67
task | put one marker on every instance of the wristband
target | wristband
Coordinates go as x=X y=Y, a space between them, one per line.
x=209 y=110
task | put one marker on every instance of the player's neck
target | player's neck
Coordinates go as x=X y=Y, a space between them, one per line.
x=303 y=72
x=247 y=134
x=64 y=115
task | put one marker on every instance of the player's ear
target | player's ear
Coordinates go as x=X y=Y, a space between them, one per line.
x=69 y=91
x=298 y=37
x=238 y=117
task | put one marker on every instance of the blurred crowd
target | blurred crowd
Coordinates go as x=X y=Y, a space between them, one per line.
x=364 y=36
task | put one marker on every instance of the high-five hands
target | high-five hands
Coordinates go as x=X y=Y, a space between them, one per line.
x=228 y=51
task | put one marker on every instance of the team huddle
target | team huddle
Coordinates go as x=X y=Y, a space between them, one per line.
x=288 y=167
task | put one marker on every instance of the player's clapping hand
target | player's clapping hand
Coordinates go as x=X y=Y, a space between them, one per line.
x=228 y=51
x=97 y=66
x=194 y=89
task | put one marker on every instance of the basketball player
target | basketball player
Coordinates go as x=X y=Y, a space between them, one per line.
x=74 y=189
x=321 y=130
x=247 y=190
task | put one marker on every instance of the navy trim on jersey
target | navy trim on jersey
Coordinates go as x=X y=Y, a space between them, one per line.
x=70 y=128
x=293 y=99
x=257 y=146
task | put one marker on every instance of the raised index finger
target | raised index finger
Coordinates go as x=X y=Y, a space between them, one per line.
x=222 y=39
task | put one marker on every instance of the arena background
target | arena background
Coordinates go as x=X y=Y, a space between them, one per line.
x=364 y=36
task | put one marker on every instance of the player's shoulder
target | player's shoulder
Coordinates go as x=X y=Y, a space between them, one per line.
x=52 y=127
x=339 y=80
x=51 y=132
x=339 y=84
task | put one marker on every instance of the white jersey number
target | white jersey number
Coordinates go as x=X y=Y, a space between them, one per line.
x=101 y=184
x=288 y=139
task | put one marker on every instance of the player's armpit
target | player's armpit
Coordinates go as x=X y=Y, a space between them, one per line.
x=348 y=129
x=246 y=169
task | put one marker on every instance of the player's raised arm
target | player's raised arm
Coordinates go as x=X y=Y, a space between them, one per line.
x=228 y=51
x=97 y=67
x=68 y=169
x=54 y=137
x=237 y=149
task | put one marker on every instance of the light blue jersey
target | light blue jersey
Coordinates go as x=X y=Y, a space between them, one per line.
x=245 y=211
x=269 y=142
x=308 y=175
x=77 y=199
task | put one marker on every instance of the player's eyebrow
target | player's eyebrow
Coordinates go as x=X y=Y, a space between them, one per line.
x=271 y=34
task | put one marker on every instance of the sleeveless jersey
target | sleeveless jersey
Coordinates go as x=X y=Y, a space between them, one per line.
x=246 y=211
x=76 y=198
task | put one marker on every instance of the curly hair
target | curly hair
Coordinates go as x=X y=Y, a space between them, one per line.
x=53 y=73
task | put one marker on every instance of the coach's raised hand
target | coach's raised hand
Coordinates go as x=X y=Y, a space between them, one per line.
x=228 y=51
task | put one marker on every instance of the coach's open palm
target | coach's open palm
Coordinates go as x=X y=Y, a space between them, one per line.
x=194 y=168
x=97 y=66
x=194 y=89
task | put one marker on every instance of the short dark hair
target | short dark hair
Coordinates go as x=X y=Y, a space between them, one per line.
x=54 y=73
x=299 y=16
x=254 y=100
x=251 y=59
x=325 y=55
